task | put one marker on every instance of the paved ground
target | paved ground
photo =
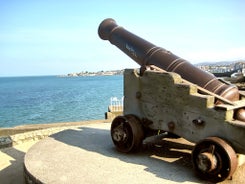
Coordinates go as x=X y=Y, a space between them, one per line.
x=11 y=163
x=86 y=155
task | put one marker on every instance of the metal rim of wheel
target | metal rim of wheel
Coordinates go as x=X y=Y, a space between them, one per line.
x=214 y=159
x=127 y=133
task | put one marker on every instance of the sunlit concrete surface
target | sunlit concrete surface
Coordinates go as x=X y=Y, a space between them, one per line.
x=86 y=154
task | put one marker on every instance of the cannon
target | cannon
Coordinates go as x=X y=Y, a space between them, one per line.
x=169 y=94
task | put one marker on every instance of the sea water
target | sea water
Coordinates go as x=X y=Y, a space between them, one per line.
x=49 y=99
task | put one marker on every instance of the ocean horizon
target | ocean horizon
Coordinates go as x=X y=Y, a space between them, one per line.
x=50 y=99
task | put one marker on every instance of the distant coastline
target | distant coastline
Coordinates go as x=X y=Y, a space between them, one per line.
x=217 y=68
x=99 y=73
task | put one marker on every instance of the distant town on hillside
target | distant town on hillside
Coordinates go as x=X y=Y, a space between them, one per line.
x=222 y=67
x=217 y=68
x=99 y=73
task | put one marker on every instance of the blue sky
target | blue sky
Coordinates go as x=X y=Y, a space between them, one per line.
x=51 y=37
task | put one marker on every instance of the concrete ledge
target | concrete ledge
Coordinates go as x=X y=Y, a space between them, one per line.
x=112 y=115
x=20 y=134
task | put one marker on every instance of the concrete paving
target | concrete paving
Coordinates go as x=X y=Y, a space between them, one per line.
x=11 y=163
x=86 y=154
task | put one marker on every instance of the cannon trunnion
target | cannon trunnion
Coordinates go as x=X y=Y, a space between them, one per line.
x=164 y=96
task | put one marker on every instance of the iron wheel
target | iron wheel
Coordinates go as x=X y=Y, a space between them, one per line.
x=127 y=133
x=214 y=159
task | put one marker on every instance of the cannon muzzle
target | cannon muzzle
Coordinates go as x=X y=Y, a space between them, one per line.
x=146 y=53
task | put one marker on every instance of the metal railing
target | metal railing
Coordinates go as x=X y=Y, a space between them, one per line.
x=116 y=104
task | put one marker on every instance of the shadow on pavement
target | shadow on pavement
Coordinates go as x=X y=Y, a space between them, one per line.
x=14 y=172
x=152 y=157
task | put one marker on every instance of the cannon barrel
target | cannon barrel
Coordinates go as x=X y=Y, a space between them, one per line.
x=146 y=53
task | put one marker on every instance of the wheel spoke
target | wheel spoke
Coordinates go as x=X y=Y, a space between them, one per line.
x=211 y=149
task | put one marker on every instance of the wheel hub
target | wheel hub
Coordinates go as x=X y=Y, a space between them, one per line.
x=118 y=134
x=214 y=159
x=206 y=162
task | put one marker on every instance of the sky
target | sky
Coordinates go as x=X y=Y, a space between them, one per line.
x=55 y=37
